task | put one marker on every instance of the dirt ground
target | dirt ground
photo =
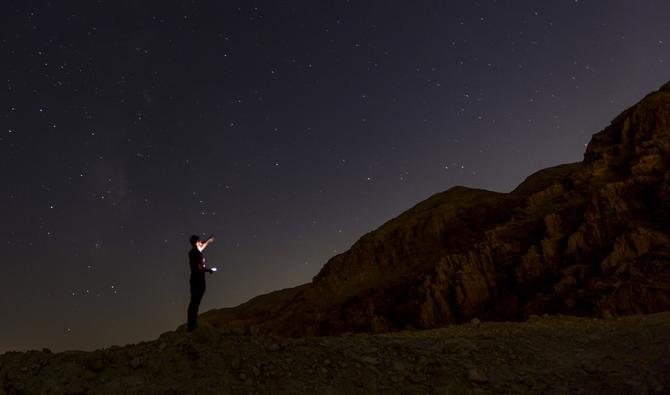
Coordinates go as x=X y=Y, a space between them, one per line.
x=546 y=355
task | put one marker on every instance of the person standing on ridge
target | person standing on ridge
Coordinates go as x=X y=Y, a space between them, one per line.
x=197 y=282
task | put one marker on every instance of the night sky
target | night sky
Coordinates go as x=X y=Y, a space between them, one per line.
x=288 y=129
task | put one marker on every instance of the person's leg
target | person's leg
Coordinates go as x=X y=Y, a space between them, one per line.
x=196 y=296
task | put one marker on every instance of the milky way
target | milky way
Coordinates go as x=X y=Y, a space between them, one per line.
x=286 y=129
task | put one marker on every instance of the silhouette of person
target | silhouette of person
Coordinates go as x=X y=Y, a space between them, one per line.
x=197 y=282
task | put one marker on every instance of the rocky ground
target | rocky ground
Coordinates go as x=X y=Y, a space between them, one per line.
x=550 y=355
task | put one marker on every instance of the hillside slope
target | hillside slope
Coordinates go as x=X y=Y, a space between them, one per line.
x=588 y=238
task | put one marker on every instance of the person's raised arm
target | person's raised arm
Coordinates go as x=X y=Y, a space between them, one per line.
x=209 y=240
x=205 y=243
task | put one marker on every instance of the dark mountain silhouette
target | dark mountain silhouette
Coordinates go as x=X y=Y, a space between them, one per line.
x=588 y=238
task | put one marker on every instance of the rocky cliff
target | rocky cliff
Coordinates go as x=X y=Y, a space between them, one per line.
x=588 y=238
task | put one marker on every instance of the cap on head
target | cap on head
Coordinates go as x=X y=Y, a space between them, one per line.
x=193 y=239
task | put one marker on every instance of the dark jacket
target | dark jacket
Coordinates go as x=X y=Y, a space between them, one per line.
x=197 y=262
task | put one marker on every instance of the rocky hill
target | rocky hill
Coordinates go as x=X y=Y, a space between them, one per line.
x=588 y=238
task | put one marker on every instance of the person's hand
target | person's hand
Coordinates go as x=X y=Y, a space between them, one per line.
x=211 y=239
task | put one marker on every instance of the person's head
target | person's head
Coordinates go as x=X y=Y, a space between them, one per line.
x=195 y=240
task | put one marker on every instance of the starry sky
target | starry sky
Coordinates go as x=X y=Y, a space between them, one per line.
x=288 y=129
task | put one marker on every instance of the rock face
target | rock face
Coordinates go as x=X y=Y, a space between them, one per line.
x=588 y=238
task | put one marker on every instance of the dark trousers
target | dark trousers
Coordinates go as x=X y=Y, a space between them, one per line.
x=197 y=291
